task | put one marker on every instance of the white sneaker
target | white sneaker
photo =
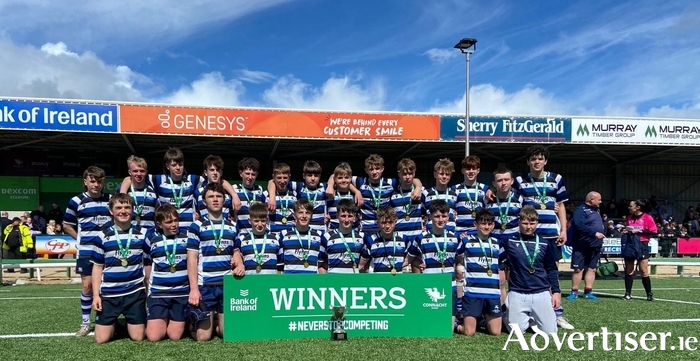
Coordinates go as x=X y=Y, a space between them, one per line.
x=564 y=323
x=83 y=331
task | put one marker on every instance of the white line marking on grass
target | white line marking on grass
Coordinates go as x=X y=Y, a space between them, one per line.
x=671 y=320
x=37 y=298
x=641 y=289
x=644 y=298
x=39 y=335
x=80 y=289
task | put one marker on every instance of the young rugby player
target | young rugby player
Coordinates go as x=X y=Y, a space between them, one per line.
x=302 y=247
x=312 y=190
x=209 y=258
x=409 y=223
x=84 y=218
x=248 y=192
x=345 y=243
x=470 y=195
x=437 y=248
x=342 y=176
x=533 y=282
x=213 y=171
x=384 y=251
x=145 y=198
x=443 y=170
x=118 y=273
x=259 y=249
x=281 y=201
x=168 y=283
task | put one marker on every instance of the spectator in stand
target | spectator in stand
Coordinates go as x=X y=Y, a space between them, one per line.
x=611 y=209
x=56 y=214
x=27 y=220
x=667 y=208
x=51 y=227
x=17 y=241
x=5 y=220
x=39 y=219
x=612 y=231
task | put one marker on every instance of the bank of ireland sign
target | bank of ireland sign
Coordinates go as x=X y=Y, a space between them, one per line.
x=507 y=129
x=269 y=307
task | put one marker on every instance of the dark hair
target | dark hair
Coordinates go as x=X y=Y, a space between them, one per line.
x=347 y=206
x=484 y=216
x=537 y=150
x=643 y=205
x=439 y=205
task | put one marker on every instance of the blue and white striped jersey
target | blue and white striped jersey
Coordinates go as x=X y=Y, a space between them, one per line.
x=267 y=248
x=201 y=206
x=384 y=253
x=332 y=207
x=146 y=202
x=295 y=246
x=375 y=196
x=248 y=197
x=180 y=194
x=88 y=216
x=404 y=206
x=168 y=253
x=317 y=197
x=507 y=211
x=438 y=252
x=477 y=263
x=118 y=280
x=449 y=196
x=470 y=199
x=284 y=211
x=206 y=236
x=553 y=191
x=343 y=250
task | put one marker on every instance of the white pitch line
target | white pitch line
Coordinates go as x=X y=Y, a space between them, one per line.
x=671 y=320
x=655 y=299
x=40 y=335
x=655 y=289
x=37 y=298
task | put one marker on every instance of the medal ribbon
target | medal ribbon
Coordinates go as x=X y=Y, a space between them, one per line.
x=308 y=193
x=390 y=258
x=304 y=255
x=347 y=196
x=284 y=209
x=483 y=251
x=347 y=248
x=123 y=250
x=217 y=239
x=541 y=195
x=377 y=198
x=258 y=255
x=531 y=258
x=473 y=203
x=135 y=196
x=245 y=193
x=407 y=206
x=442 y=254
x=176 y=197
x=504 y=215
x=170 y=256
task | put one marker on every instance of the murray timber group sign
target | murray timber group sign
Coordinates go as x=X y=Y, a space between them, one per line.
x=276 y=307
x=507 y=129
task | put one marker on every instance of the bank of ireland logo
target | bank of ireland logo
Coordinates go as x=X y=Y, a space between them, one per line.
x=582 y=130
x=650 y=132
x=244 y=293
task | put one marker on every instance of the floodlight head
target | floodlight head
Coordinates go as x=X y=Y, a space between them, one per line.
x=465 y=45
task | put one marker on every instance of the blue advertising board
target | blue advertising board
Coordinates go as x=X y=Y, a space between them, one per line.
x=507 y=129
x=25 y=115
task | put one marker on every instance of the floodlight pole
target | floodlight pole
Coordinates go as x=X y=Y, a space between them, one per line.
x=467 y=46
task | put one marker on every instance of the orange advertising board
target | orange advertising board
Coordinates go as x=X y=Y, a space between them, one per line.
x=277 y=123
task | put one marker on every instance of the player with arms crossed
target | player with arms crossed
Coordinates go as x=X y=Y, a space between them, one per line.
x=210 y=244
x=85 y=216
x=118 y=274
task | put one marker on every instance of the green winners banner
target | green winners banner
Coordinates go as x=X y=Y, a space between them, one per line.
x=274 y=307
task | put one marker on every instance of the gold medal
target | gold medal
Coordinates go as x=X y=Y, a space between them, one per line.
x=393 y=271
x=474 y=214
x=489 y=273
x=218 y=250
x=442 y=266
x=258 y=268
x=172 y=269
x=543 y=206
x=503 y=227
x=138 y=218
x=407 y=218
x=532 y=269
x=284 y=219
x=306 y=264
x=354 y=265
x=125 y=263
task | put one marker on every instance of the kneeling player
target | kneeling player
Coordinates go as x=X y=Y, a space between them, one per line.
x=168 y=283
x=482 y=296
x=118 y=274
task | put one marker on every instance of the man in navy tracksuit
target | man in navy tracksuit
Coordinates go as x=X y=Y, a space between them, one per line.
x=533 y=285
x=588 y=232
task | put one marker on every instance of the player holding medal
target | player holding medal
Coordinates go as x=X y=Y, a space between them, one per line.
x=259 y=249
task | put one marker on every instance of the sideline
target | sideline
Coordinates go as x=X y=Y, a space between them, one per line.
x=39 y=335
x=644 y=298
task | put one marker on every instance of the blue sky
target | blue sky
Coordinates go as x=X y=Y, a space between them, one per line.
x=615 y=58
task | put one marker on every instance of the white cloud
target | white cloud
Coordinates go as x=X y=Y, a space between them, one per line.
x=106 y=24
x=486 y=99
x=254 y=76
x=441 y=56
x=685 y=111
x=337 y=93
x=210 y=89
